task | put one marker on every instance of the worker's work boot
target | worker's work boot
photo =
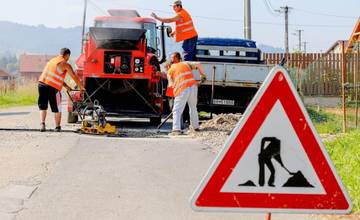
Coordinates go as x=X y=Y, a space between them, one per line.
x=193 y=131
x=58 y=129
x=175 y=133
x=42 y=127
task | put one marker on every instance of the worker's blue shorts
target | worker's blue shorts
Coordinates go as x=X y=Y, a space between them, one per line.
x=49 y=95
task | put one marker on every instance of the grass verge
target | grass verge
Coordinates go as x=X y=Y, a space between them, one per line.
x=22 y=95
x=345 y=154
x=325 y=122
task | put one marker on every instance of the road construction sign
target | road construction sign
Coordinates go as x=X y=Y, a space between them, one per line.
x=274 y=160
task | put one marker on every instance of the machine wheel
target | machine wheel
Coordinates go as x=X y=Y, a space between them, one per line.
x=72 y=118
x=155 y=120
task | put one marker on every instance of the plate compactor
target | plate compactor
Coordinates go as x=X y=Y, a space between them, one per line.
x=93 y=117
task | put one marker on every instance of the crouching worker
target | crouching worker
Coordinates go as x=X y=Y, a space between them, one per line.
x=185 y=88
x=50 y=84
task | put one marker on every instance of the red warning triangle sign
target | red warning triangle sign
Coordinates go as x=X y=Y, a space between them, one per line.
x=274 y=160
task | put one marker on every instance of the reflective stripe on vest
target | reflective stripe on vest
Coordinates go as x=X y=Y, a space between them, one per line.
x=176 y=80
x=185 y=27
x=185 y=23
x=182 y=77
x=183 y=86
x=47 y=79
x=52 y=75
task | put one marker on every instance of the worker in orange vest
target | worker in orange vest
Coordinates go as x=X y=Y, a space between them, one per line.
x=184 y=31
x=50 y=84
x=185 y=90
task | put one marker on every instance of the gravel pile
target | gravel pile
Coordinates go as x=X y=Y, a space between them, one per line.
x=214 y=132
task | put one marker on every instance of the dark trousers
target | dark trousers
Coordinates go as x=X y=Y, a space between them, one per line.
x=189 y=49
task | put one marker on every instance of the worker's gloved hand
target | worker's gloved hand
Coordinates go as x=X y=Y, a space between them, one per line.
x=202 y=78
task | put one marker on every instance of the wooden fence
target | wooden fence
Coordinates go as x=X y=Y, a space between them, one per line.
x=319 y=74
x=7 y=86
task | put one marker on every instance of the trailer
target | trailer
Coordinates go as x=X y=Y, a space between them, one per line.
x=234 y=73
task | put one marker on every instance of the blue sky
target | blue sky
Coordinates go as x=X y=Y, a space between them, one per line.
x=323 y=21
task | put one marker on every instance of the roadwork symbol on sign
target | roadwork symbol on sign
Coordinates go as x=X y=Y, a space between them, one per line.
x=274 y=161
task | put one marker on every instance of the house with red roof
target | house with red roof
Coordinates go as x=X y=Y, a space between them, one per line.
x=4 y=76
x=32 y=65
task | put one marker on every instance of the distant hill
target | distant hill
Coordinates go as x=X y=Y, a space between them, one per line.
x=19 y=38
x=269 y=49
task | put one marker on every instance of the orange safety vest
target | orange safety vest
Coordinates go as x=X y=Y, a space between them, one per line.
x=182 y=77
x=185 y=28
x=52 y=75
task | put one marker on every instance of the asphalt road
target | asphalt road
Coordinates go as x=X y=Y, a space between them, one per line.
x=68 y=176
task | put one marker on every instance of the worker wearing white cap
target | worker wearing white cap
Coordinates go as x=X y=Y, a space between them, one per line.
x=184 y=31
x=182 y=79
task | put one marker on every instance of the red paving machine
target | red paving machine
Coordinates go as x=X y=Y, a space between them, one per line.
x=120 y=68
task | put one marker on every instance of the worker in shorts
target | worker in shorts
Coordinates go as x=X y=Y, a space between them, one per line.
x=51 y=82
x=185 y=89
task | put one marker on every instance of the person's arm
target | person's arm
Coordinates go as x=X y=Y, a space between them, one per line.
x=197 y=66
x=67 y=87
x=70 y=71
x=170 y=81
x=166 y=20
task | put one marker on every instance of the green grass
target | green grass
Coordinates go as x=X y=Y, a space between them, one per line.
x=325 y=122
x=344 y=150
x=345 y=154
x=21 y=96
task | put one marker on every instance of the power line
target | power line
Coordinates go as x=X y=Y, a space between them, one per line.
x=222 y=19
x=270 y=8
x=99 y=9
x=240 y=20
x=325 y=14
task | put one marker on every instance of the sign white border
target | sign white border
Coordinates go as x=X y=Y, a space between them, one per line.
x=234 y=134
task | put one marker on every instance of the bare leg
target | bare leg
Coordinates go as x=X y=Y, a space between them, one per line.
x=42 y=116
x=57 y=119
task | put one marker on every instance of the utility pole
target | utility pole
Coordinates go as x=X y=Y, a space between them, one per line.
x=305 y=43
x=343 y=81
x=286 y=10
x=83 y=26
x=247 y=19
x=299 y=35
